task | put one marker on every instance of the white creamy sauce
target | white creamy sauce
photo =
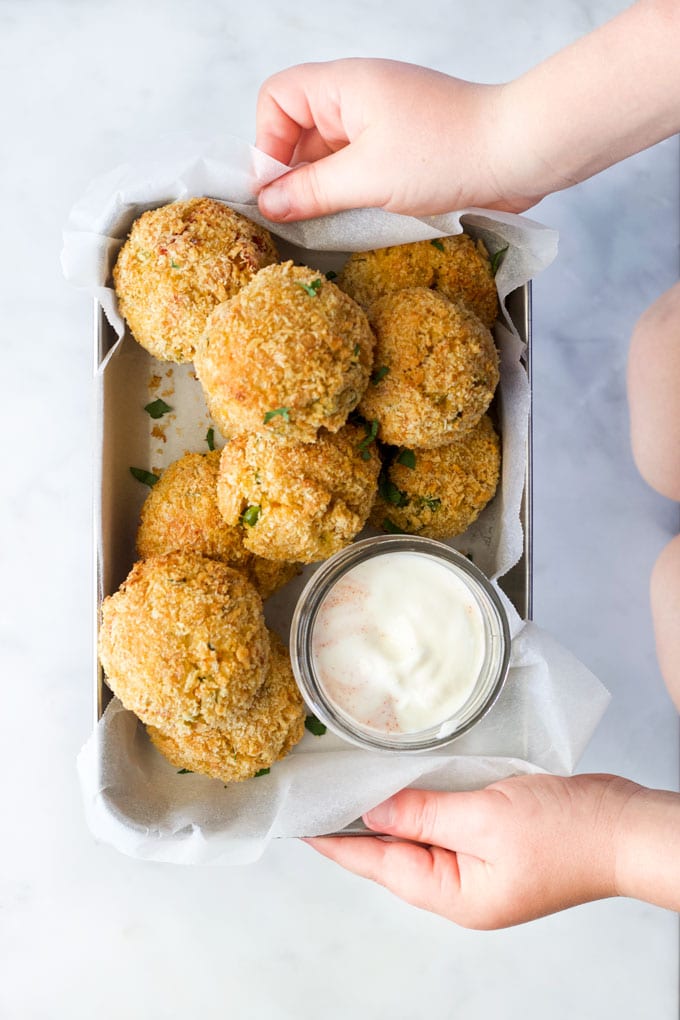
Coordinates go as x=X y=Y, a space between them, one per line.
x=398 y=643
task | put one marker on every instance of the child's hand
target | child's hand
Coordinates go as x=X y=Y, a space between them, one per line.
x=382 y=133
x=515 y=851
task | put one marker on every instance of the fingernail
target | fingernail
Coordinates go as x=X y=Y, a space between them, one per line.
x=381 y=816
x=274 y=202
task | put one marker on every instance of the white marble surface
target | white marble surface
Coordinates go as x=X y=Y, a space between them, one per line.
x=85 y=932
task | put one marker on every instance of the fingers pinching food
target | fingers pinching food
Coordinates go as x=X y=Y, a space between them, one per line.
x=181 y=513
x=439 y=493
x=457 y=266
x=435 y=369
x=183 y=642
x=178 y=262
x=298 y=501
x=289 y=354
x=250 y=741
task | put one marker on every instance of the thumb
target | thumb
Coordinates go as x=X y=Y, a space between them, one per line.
x=328 y=185
x=451 y=820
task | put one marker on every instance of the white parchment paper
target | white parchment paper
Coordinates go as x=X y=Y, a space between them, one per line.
x=551 y=703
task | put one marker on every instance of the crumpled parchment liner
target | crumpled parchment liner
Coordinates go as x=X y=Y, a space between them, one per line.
x=551 y=703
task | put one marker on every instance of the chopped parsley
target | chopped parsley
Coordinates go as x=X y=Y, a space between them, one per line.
x=391 y=494
x=262 y=772
x=391 y=527
x=144 y=476
x=407 y=458
x=314 y=726
x=210 y=439
x=283 y=411
x=250 y=516
x=357 y=350
x=497 y=259
x=175 y=265
x=184 y=772
x=437 y=244
x=157 y=408
x=371 y=434
x=379 y=374
x=312 y=288
x=431 y=502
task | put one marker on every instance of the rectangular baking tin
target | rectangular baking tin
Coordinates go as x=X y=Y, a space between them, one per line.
x=517 y=583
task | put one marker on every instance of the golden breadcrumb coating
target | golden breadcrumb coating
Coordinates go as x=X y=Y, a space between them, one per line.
x=181 y=513
x=298 y=501
x=447 y=488
x=464 y=272
x=435 y=369
x=457 y=266
x=180 y=261
x=289 y=354
x=183 y=641
x=250 y=741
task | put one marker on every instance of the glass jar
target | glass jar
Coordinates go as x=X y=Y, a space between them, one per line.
x=325 y=595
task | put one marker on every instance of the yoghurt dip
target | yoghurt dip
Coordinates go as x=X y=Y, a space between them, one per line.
x=399 y=642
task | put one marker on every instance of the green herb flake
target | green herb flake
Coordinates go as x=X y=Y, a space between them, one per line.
x=437 y=244
x=497 y=259
x=407 y=458
x=157 y=408
x=331 y=275
x=379 y=374
x=144 y=476
x=371 y=428
x=210 y=439
x=391 y=527
x=250 y=516
x=312 y=288
x=184 y=772
x=283 y=411
x=314 y=726
x=175 y=265
x=262 y=772
x=431 y=502
x=393 y=495
x=357 y=350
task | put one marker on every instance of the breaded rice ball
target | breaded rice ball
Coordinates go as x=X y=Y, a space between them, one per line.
x=180 y=261
x=181 y=513
x=445 y=490
x=289 y=354
x=183 y=642
x=250 y=741
x=298 y=501
x=457 y=266
x=435 y=369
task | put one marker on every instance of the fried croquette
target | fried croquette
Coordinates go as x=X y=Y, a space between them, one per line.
x=436 y=369
x=298 y=501
x=183 y=642
x=439 y=493
x=180 y=261
x=181 y=513
x=289 y=354
x=249 y=741
x=457 y=266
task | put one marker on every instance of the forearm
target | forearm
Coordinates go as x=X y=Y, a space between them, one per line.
x=608 y=95
x=648 y=848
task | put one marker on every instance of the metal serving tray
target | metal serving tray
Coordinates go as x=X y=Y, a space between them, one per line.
x=517 y=583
